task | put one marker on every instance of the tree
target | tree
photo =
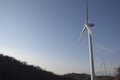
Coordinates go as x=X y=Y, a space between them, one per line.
x=117 y=77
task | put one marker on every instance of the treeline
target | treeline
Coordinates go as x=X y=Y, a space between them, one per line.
x=87 y=77
x=117 y=77
x=12 y=69
x=77 y=76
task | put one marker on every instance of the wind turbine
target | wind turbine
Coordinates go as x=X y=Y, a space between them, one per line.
x=87 y=26
x=104 y=66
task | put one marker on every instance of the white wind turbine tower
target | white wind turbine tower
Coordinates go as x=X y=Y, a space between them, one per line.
x=88 y=26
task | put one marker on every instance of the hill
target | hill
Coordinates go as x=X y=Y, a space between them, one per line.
x=12 y=69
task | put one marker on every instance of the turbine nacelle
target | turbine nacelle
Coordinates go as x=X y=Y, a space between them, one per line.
x=90 y=24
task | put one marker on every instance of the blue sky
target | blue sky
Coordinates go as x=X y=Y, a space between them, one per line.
x=45 y=33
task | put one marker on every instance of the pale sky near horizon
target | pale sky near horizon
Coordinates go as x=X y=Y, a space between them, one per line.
x=45 y=33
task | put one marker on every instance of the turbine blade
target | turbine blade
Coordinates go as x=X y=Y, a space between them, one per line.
x=81 y=34
x=86 y=17
x=89 y=31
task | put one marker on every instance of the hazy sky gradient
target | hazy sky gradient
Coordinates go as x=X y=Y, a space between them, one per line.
x=45 y=33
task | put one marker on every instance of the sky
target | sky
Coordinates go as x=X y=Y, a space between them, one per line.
x=45 y=33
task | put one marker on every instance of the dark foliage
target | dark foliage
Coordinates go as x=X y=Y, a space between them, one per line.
x=87 y=77
x=12 y=69
x=78 y=76
x=117 y=77
x=104 y=78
